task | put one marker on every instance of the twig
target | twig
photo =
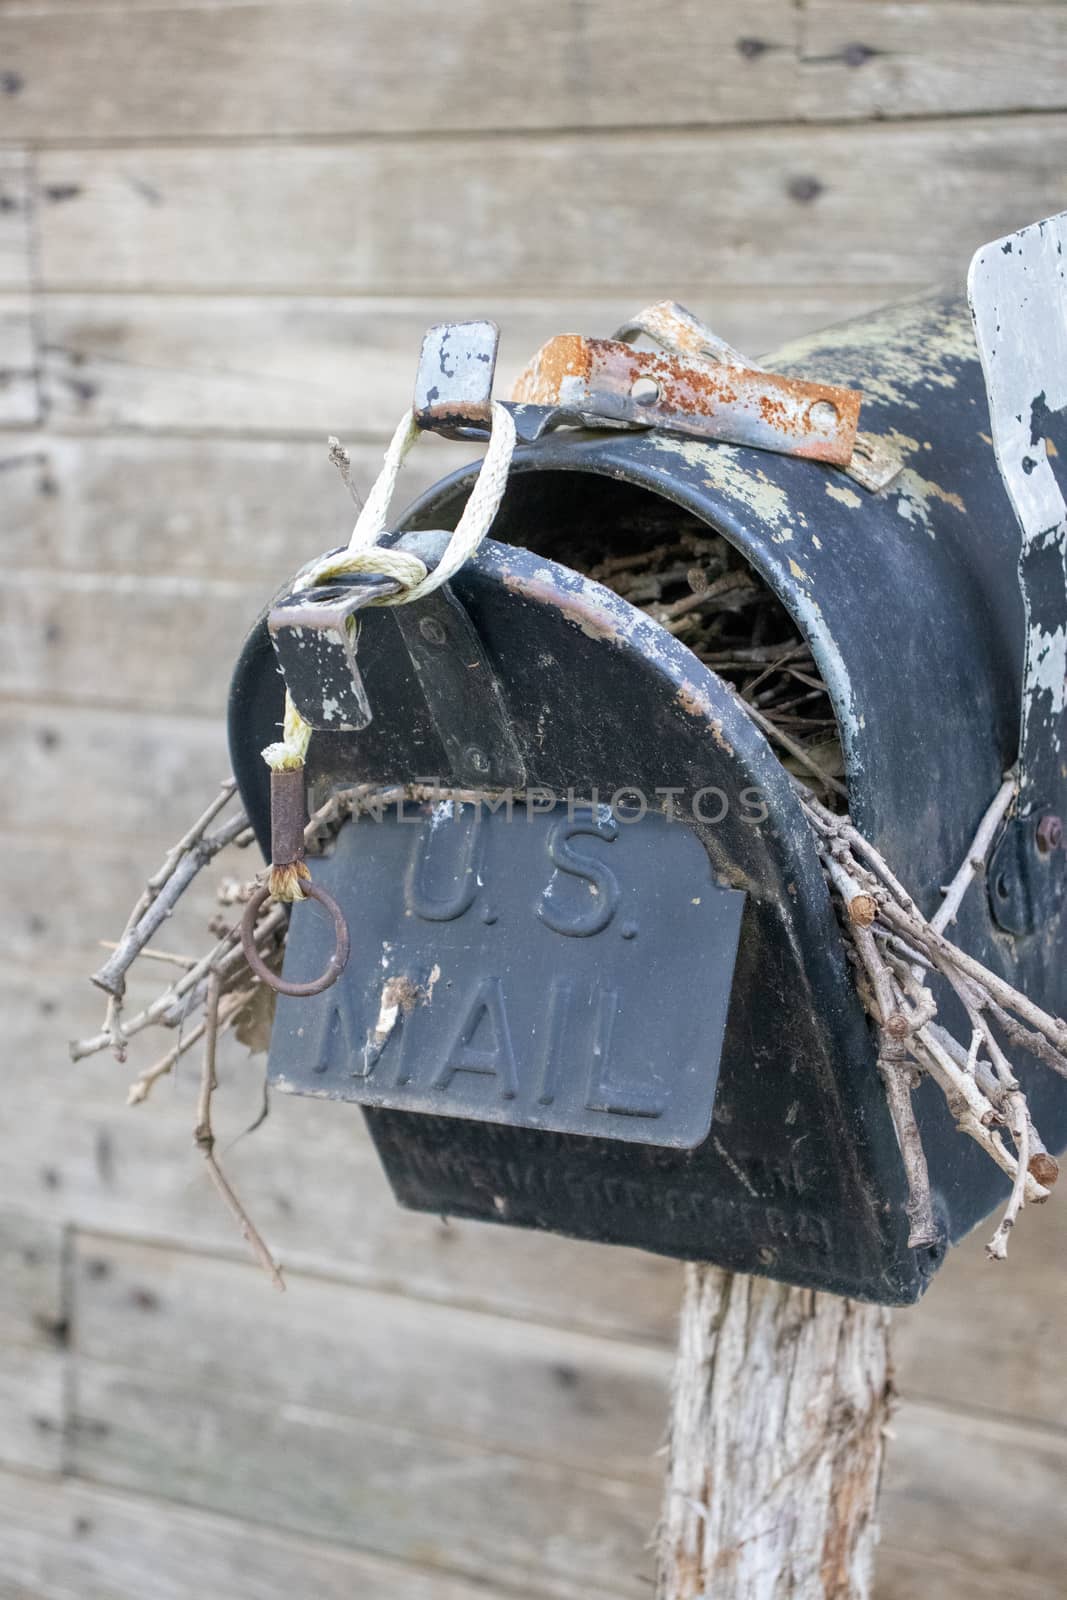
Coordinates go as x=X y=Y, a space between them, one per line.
x=343 y=462
x=997 y=1248
x=797 y=751
x=155 y=955
x=896 y=1076
x=975 y=860
x=192 y=857
x=205 y=1138
x=230 y=1008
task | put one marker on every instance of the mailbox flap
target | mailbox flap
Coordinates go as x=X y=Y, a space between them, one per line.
x=542 y=964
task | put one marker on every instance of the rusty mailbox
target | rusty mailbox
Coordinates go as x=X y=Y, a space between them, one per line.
x=596 y=982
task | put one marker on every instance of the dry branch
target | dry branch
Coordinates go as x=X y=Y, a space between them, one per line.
x=899 y=950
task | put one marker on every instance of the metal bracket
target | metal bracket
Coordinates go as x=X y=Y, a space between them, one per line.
x=699 y=386
x=454 y=383
x=315 y=633
x=1017 y=288
x=607 y=381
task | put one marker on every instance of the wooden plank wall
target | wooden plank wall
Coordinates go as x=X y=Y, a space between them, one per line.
x=223 y=227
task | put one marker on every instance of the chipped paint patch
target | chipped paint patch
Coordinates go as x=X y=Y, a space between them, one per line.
x=846 y=497
x=696 y=702
x=890 y=356
x=915 y=493
x=798 y=572
x=544 y=587
x=724 y=472
x=1046 y=664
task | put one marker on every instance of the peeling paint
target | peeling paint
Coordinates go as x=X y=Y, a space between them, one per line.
x=697 y=703
x=890 y=356
x=847 y=497
x=1046 y=664
x=915 y=492
x=723 y=471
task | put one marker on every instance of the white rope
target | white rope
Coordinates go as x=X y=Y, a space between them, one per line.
x=364 y=553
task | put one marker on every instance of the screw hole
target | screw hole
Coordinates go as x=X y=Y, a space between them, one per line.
x=432 y=630
x=644 y=391
x=822 y=414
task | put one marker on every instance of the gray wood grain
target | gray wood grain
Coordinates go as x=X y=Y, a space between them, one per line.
x=64 y=1540
x=526 y=1389
x=331 y=68
x=414 y=1496
x=947 y=1479
x=913 y=60
x=309 y=1176
x=19 y=398
x=84 y=773
x=598 y=214
x=311 y=365
x=73 y=638
x=987 y=1336
x=261 y=70
x=34 y=1333
x=15 y=205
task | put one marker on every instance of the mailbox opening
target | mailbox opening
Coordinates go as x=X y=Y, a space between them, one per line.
x=685 y=574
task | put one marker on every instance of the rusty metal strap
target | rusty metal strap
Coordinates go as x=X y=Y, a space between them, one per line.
x=607 y=379
x=874 y=462
x=696 y=384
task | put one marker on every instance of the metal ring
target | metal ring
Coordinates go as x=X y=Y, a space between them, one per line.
x=334 y=967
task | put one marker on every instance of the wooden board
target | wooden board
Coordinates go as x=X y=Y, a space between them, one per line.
x=986 y=1337
x=15 y=204
x=72 y=639
x=309 y=1176
x=252 y=511
x=34 y=1332
x=913 y=60
x=979 y=1492
x=68 y=893
x=597 y=214
x=139 y=72
x=413 y=1496
x=218 y=1416
x=530 y=1390
x=63 y=1539
x=19 y=399
x=315 y=365
x=332 y=68
x=85 y=773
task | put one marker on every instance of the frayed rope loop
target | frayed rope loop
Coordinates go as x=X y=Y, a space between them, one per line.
x=365 y=554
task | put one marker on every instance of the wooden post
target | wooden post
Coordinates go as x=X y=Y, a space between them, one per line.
x=779 y=1408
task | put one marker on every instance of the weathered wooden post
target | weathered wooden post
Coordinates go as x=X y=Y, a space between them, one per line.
x=779 y=1409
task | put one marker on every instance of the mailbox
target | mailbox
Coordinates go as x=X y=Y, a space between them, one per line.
x=597 y=984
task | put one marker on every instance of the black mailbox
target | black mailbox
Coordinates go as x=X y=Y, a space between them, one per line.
x=597 y=984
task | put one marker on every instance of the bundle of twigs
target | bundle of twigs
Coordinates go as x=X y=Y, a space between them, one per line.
x=700 y=589
x=897 y=952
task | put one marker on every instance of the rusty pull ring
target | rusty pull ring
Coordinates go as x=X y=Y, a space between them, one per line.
x=334 y=967
x=289 y=881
